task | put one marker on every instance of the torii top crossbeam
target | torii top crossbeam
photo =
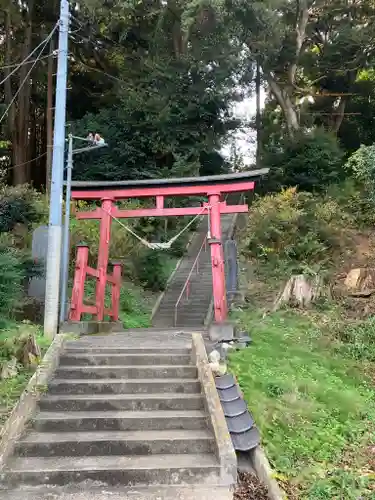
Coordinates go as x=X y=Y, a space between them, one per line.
x=211 y=186
x=184 y=186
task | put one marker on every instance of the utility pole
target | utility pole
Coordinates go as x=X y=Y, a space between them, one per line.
x=258 y=116
x=49 y=116
x=51 y=311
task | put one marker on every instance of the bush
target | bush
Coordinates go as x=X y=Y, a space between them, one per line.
x=295 y=227
x=152 y=272
x=20 y=205
x=310 y=161
x=12 y=277
x=361 y=165
x=355 y=199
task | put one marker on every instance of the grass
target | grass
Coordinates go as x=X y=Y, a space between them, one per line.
x=313 y=403
x=12 y=388
x=135 y=307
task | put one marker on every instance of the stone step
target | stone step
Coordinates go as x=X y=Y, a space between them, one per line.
x=87 y=492
x=89 y=347
x=119 y=421
x=132 y=372
x=124 y=470
x=89 y=444
x=127 y=402
x=117 y=386
x=125 y=359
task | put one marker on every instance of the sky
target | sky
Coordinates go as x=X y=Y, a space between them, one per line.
x=245 y=139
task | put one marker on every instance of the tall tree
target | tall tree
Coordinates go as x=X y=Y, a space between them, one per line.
x=175 y=81
x=304 y=46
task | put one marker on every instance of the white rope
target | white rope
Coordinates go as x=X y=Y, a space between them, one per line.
x=157 y=246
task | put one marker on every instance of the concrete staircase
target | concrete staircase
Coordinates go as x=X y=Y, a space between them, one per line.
x=119 y=421
x=191 y=312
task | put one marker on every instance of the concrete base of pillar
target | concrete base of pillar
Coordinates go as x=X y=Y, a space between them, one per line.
x=91 y=327
x=222 y=332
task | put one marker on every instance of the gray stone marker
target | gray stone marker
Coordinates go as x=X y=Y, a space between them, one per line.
x=37 y=286
x=231 y=268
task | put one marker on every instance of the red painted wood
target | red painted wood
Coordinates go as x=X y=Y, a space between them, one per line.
x=217 y=260
x=76 y=308
x=108 y=209
x=89 y=309
x=156 y=212
x=144 y=192
x=103 y=255
x=90 y=271
x=160 y=202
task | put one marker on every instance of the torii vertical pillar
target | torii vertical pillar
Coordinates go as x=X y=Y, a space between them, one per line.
x=217 y=260
x=103 y=255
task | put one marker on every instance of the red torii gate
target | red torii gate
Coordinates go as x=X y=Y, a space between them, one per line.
x=109 y=192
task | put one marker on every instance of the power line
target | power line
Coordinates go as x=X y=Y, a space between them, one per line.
x=25 y=61
x=28 y=74
x=104 y=73
x=27 y=162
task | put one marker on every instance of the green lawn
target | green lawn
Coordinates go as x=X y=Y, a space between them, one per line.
x=313 y=404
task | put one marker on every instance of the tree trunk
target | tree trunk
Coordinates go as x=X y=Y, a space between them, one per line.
x=301 y=291
x=285 y=102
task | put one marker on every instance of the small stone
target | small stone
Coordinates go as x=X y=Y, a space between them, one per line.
x=214 y=356
x=218 y=369
x=9 y=369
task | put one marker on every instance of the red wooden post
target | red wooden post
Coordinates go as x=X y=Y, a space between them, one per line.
x=116 y=289
x=103 y=255
x=217 y=260
x=78 y=293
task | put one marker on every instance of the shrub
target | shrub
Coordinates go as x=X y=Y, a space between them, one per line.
x=311 y=161
x=355 y=199
x=12 y=277
x=295 y=227
x=152 y=272
x=361 y=164
x=20 y=205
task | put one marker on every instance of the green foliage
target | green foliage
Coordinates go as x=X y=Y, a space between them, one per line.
x=135 y=309
x=355 y=198
x=152 y=272
x=150 y=134
x=311 y=402
x=361 y=165
x=295 y=229
x=310 y=160
x=359 y=128
x=19 y=205
x=12 y=277
x=358 y=340
x=13 y=338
